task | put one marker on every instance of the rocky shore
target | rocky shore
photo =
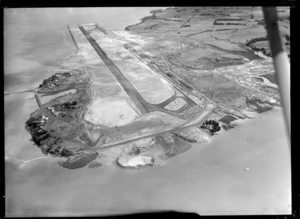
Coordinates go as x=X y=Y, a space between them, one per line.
x=216 y=61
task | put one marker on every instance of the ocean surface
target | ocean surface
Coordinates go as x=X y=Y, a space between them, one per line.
x=245 y=170
x=35 y=41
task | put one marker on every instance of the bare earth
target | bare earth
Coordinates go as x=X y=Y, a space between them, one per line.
x=121 y=122
x=160 y=78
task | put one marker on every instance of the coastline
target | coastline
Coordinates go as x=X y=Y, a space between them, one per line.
x=207 y=166
x=142 y=20
x=48 y=147
x=236 y=171
x=237 y=123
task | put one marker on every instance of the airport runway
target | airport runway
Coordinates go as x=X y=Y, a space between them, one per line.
x=136 y=97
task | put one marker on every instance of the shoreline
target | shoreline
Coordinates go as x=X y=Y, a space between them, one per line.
x=35 y=132
x=142 y=20
x=238 y=122
x=218 y=176
x=205 y=165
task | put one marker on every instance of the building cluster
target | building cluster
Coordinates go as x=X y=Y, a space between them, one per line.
x=211 y=125
x=54 y=80
x=66 y=106
x=37 y=128
x=263 y=50
x=230 y=21
x=63 y=109
x=55 y=113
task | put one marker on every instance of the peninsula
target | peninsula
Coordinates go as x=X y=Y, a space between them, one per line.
x=139 y=96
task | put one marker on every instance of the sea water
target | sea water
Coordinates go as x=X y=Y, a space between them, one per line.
x=245 y=170
x=35 y=41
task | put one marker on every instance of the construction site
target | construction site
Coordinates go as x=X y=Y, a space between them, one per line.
x=141 y=95
x=119 y=102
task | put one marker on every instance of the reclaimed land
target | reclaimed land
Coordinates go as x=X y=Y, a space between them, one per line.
x=140 y=95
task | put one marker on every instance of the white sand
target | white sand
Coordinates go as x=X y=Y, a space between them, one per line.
x=134 y=161
x=176 y=104
x=208 y=179
x=148 y=83
x=46 y=99
x=108 y=112
x=130 y=37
